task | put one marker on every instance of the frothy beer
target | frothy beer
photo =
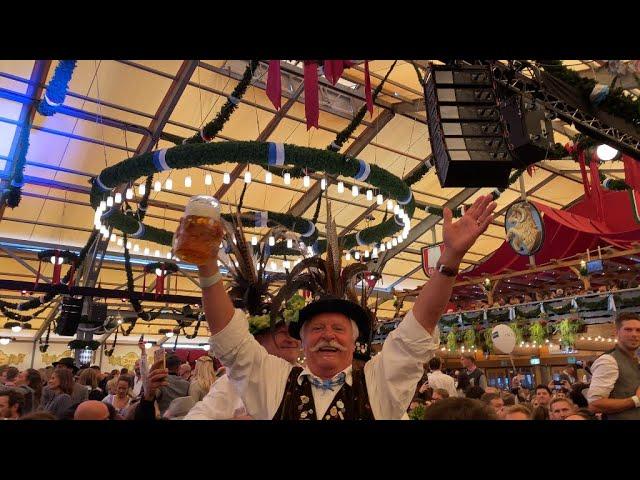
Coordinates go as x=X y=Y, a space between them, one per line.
x=200 y=230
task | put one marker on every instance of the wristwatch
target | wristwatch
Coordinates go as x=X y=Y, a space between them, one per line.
x=636 y=401
x=447 y=271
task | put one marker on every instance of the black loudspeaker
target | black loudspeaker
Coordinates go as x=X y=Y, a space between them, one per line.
x=530 y=132
x=96 y=313
x=477 y=132
x=70 y=316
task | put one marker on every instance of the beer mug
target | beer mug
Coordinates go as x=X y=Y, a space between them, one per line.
x=200 y=230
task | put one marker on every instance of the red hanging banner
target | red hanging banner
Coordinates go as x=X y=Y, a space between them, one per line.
x=311 y=103
x=274 y=84
x=631 y=172
x=367 y=87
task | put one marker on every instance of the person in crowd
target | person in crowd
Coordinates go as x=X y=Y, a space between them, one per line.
x=494 y=401
x=328 y=328
x=543 y=396
x=11 y=403
x=137 y=380
x=92 y=410
x=540 y=413
x=560 y=408
x=474 y=392
x=79 y=393
x=120 y=401
x=577 y=395
x=124 y=371
x=527 y=298
x=615 y=382
x=184 y=371
x=45 y=374
x=517 y=412
x=10 y=376
x=508 y=398
x=106 y=379
x=569 y=374
x=179 y=408
x=476 y=377
x=89 y=379
x=223 y=402
x=57 y=399
x=582 y=414
x=176 y=386
x=460 y=409
x=462 y=383
x=439 y=394
x=203 y=377
x=438 y=380
x=39 y=415
x=3 y=373
x=29 y=382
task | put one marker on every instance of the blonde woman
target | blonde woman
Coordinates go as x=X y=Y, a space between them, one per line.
x=202 y=379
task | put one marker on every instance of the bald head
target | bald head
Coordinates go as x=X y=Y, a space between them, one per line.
x=91 y=410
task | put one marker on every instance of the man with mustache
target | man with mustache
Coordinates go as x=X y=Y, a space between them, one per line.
x=329 y=388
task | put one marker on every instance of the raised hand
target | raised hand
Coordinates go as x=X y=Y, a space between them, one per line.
x=459 y=236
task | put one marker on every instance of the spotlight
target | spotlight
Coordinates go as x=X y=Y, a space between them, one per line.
x=208 y=180
x=226 y=178
x=268 y=177
x=606 y=153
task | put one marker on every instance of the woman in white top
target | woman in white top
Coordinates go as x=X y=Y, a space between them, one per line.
x=203 y=377
x=120 y=401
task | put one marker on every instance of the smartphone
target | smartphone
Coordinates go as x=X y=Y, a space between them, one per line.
x=557 y=382
x=159 y=356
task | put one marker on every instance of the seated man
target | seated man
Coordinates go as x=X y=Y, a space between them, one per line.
x=330 y=329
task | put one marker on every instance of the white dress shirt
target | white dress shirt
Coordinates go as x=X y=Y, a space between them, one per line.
x=137 y=386
x=437 y=379
x=391 y=376
x=604 y=374
x=221 y=403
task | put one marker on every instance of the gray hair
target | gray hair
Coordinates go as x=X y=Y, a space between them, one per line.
x=354 y=327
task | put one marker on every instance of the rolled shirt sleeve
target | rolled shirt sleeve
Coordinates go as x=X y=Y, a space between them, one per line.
x=259 y=378
x=393 y=374
x=604 y=376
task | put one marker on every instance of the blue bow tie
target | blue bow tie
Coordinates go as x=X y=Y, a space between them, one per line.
x=336 y=381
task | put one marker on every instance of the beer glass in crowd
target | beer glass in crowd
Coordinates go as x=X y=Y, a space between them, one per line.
x=200 y=230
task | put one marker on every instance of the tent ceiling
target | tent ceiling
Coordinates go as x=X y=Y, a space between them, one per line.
x=124 y=96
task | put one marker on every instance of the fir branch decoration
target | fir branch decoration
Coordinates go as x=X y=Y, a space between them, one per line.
x=211 y=129
x=57 y=89
x=191 y=155
x=616 y=103
x=13 y=194
x=344 y=135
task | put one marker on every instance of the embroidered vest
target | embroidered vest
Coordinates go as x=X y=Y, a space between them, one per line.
x=626 y=385
x=350 y=403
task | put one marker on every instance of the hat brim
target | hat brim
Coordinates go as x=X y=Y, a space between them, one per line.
x=75 y=369
x=350 y=309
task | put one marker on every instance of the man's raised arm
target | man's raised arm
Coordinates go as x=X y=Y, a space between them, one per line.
x=458 y=238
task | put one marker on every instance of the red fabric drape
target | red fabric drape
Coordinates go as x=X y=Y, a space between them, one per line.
x=569 y=232
x=311 y=102
x=631 y=172
x=274 y=84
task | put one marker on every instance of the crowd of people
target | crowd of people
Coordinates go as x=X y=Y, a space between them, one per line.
x=339 y=379
x=63 y=391
x=561 y=399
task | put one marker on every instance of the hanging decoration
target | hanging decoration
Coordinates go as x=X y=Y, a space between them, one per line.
x=332 y=70
x=57 y=88
x=162 y=270
x=259 y=153
x=524 y=228
x=57 y=258
x=53 y=98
